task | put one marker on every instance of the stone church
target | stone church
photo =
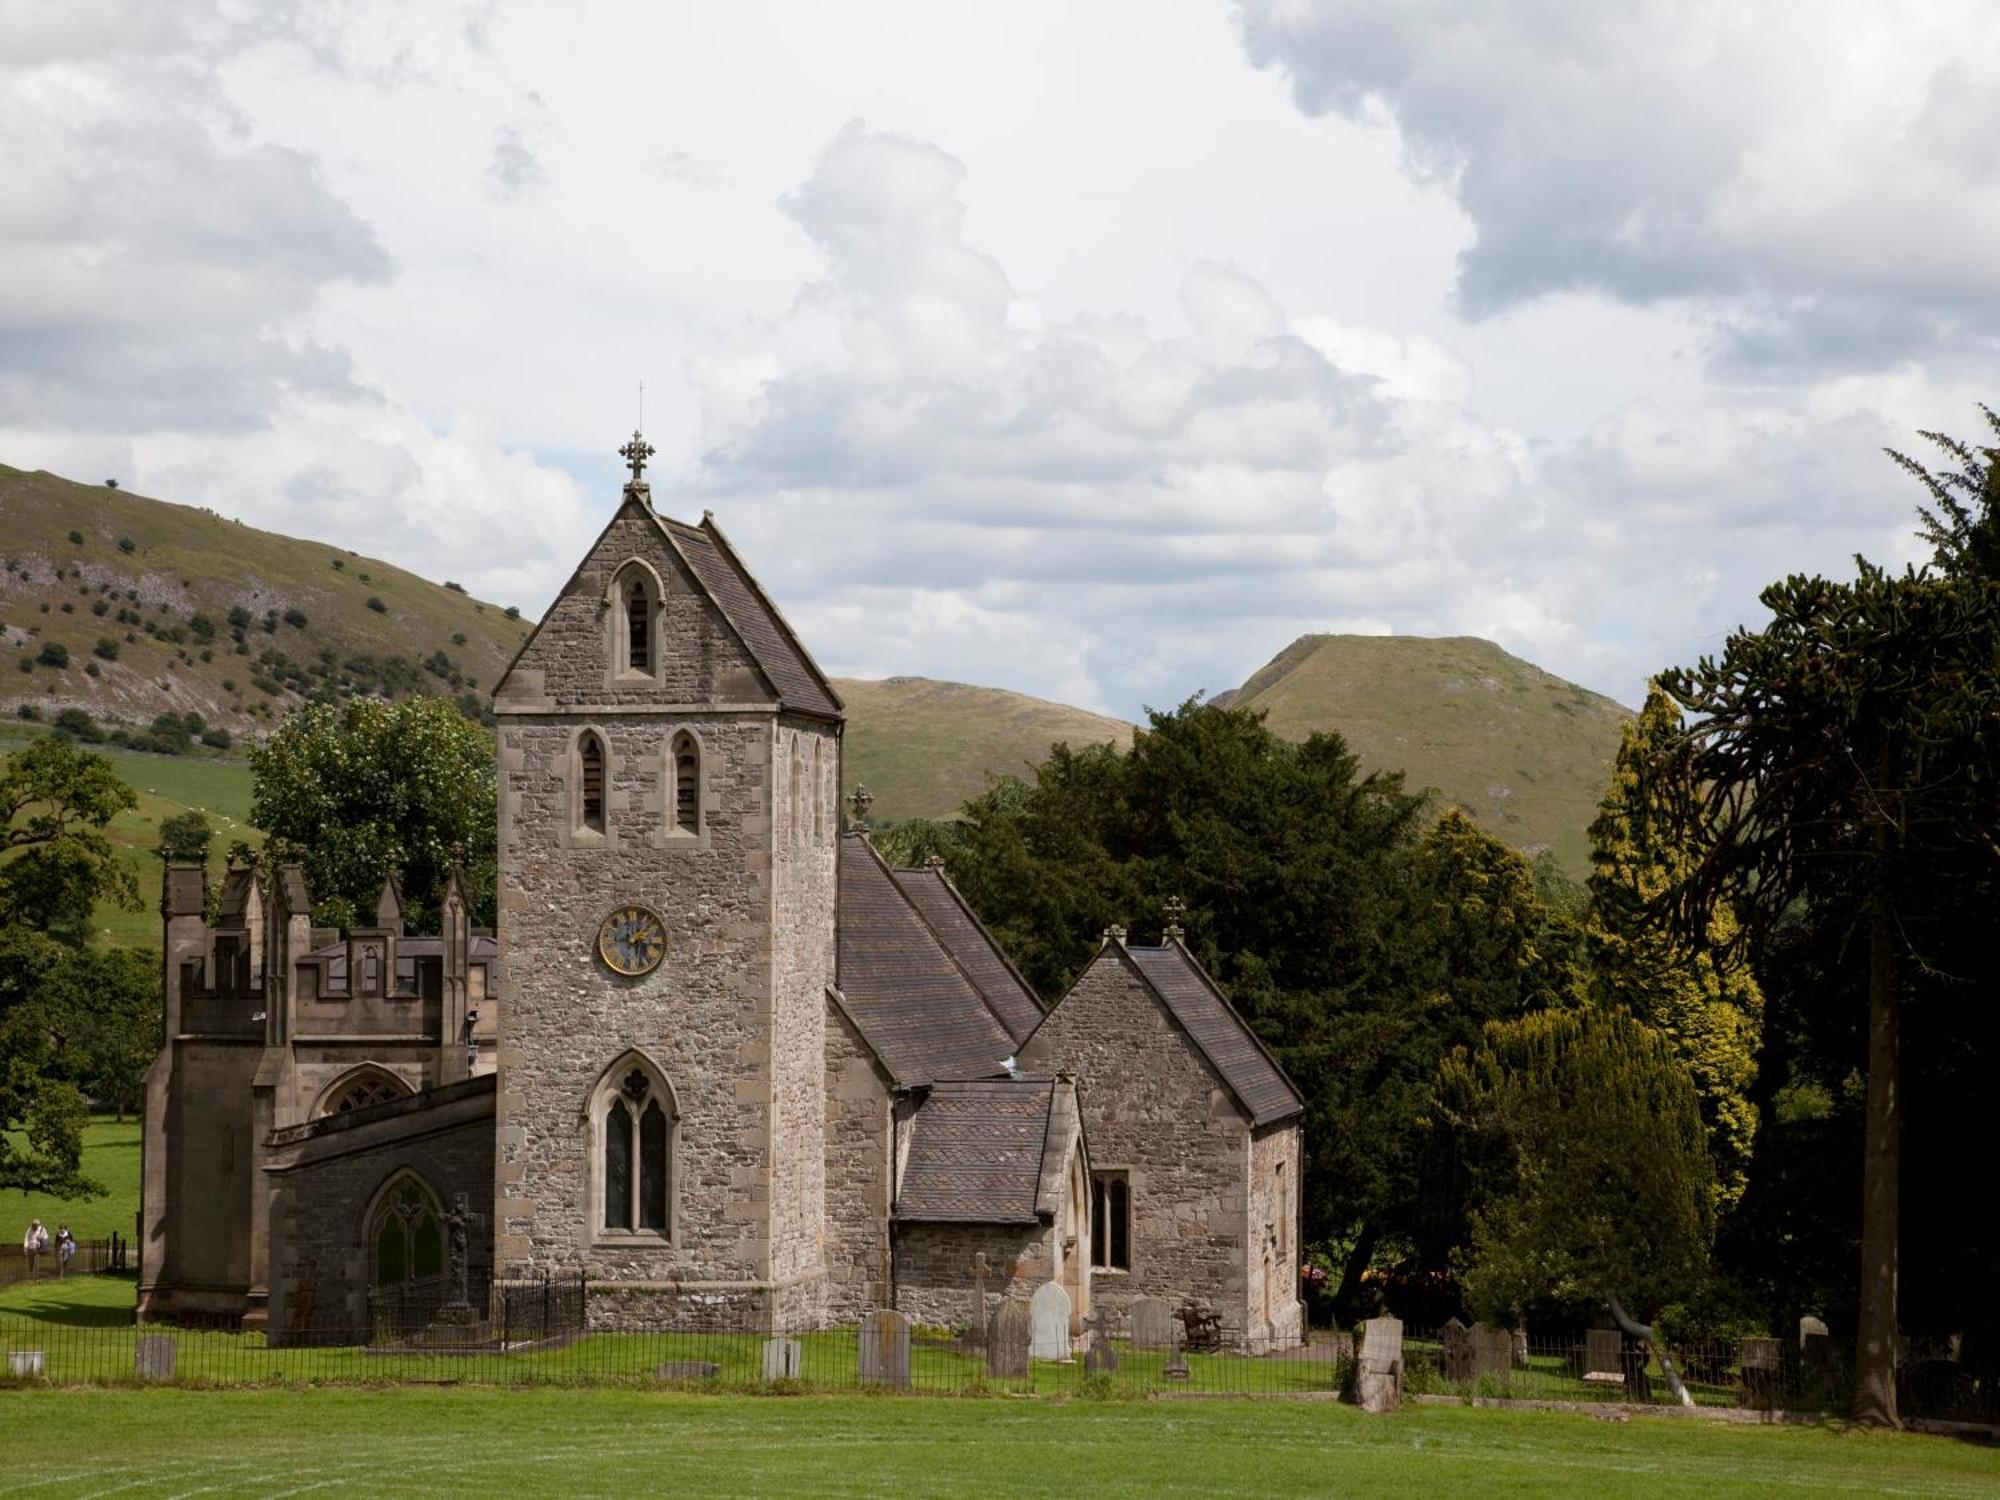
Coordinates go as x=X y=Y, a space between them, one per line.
x=720 y=1061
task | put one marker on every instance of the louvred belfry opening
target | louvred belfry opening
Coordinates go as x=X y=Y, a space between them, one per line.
x=591 y=753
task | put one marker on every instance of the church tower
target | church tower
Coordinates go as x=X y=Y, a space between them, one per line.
x=669 y=763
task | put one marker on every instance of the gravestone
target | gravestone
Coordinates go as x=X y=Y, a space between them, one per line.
x=1378 y=1378
x=885 y=1349
x=1759 y=1359
x=1152 y=1324
x=153 y=1356
x=27 y=1363
x=687 y=1369
x=1810 y=1327
x=1491 y=1351
x=1048 y=1333
x=1602 y=1361
x=1520 y=1349
x=1007 y=1341
x=1099 y=1357
x=1456 y=1352
x=1816 y=1358
x=781 y=1359
x=1176 y=1367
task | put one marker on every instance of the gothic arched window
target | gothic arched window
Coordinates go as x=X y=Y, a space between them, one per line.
x=687 y=785
x=590 y=783
x=359 y=1090
x=405 y=1237
x=638 y=626
x=635 y=1140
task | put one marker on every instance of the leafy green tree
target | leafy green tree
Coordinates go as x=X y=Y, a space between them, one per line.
x=185 y=837
x=346 y=790
x=1700 y=995
x=1848 y=754
x=56 y=861
x=1597 y=1179
x=102 y=1008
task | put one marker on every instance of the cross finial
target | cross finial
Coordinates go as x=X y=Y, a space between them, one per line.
x=1171 y=912
x=1115 y=933
x=858 y=802
x=635 y=453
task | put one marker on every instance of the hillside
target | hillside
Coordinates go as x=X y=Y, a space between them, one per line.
x=130 y=608
x=923 y=747
x=1524 y=752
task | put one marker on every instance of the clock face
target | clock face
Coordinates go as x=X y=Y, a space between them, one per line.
x=632 y=940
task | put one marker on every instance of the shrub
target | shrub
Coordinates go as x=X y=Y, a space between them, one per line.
x=456 y=588
x=68 y=608
x=458 y=638
x=239 y=618
x=229 y=684
x=126 y=544
x=364 y=577
x=27 y=665
x=206 y=654
x=76 y=537
x=29 y=712
x=296 y=618
x=216 y=738
x=201 y=627
x=100 y=608
x=54 y=654
x=270 y=622
x=77 y=724
x=377 y=605
x=513 y=612
x=90 y=669
x=339 y=564
x=105 y=648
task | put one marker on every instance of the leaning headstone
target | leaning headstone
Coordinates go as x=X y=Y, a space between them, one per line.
x=1378 y=1378
x=1759 y=1359
x=687 y=1369
x=1152 y=1324
x=153 y=1356
x=885 y=1349
x=1007 y=1341
x=1455 y=1353
x=1520 y=1349
x=1491 y=1351
x=781 y=1359
x=1048 y=1310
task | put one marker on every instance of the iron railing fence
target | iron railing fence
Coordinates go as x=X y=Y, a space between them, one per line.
x=92 y=1257
x=537 y=1335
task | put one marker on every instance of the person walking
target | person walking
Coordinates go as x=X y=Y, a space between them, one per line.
x=65 y=1249
x=34 y=1242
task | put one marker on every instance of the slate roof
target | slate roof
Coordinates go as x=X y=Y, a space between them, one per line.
x=981 y=1152
x=1006 y=993
x=1223 y=1036
x=236 y=892
x=918 y=1008
x=754 y=618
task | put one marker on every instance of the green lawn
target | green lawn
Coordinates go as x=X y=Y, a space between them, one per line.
x=111 y=1156
x=476 y=1442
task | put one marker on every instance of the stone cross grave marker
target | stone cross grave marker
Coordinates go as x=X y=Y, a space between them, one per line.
x=1049 y=1309
x=781 y=1359
x=1152 y=1324
x=1491 y=1350
x=1007 y=1340
x=1099 y=1356
x=1378 y=1379
x=885 y=1348
x=153 y=1357
x=980 y=1271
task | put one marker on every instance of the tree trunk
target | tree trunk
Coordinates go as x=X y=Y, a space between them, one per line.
x=1875 y=1352
x=1344 y=1309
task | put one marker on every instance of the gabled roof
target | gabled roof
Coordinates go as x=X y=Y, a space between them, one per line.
x=988 y=1151
x=965 y=937
x=753 y=617
x=237 y=884
x=916 y=1007
x=1223 y=1036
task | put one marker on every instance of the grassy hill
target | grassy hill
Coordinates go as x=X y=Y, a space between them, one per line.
x=1523 y=751
x=923 y=747
x=130 y=608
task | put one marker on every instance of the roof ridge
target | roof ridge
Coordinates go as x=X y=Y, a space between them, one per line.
x=943 y=947
x=1236 y=1015
x=713 y=530
x=1215 y=990
x=992 y=942
x=666 y=525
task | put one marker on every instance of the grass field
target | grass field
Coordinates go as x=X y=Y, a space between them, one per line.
x=466 y=1442
x=111 y=1156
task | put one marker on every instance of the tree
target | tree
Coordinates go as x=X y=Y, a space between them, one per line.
x=56 y=862
x=102 y=1009
x=1701 y=996
x=347 y=790
x=1597 y=1181
x=185 y=837
x=1845 y=754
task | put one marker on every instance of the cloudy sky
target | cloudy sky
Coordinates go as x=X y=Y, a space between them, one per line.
x=1091 y=350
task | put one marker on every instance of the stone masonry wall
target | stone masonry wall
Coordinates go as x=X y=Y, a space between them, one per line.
x=934 y=1267
x=1276 y=1316
x=1153 y=1108
x=858 y=1108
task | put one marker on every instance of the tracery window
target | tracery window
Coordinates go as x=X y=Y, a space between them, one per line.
x=590 y=793
x=687 y=785
x=362 y=1090
x=1110 y=1221
x=636 y=1144
x=406 y=1241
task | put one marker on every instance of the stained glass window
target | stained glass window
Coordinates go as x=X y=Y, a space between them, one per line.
x=638 y=1156
x=618 y=1166
x=653 y=1167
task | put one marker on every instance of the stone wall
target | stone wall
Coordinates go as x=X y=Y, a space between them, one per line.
x=1276 y=1316
x=1154 y=1109
x=934 y=1282
x=199 y=1243
x=858 y=1112
x=322 y=1189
